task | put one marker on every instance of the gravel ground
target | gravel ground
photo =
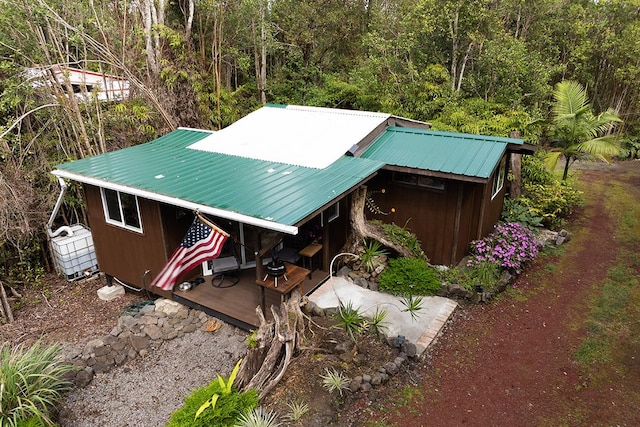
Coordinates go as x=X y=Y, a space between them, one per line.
x=145 y=391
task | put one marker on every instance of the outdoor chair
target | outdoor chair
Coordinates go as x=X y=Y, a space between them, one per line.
x=291 y=245
x=226 y=268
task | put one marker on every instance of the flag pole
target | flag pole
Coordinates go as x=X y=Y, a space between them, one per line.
x=212 y=225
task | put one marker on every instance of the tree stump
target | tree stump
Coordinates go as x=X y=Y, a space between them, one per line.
x=276 y=342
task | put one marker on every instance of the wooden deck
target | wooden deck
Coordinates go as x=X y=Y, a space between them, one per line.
x=237 y=304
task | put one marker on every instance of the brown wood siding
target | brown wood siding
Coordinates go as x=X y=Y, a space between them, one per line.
x=468 y=228
x=445 y=221
x=335 y=232
x=126 y=254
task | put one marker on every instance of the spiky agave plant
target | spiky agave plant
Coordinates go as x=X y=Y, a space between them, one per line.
x=298 y=410
x=258 y=417
x=334 y=380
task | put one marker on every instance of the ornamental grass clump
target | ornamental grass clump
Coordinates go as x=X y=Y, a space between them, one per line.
x=509 y=246
x=32 y=382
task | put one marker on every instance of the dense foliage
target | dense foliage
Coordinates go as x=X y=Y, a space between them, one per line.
x=31 y=383
x=477 y=66
x=227 y=410
x=409 y=276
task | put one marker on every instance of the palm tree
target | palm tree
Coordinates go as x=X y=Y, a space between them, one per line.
x=577 y=132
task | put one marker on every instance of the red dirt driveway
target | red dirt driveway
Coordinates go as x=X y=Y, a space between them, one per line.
x=512 y=362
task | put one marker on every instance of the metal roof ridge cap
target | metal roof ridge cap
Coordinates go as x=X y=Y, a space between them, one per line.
x=193 y=129
x=328 y=110
x=271 y=225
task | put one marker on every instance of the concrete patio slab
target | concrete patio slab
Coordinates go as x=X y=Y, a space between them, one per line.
x=421 y=331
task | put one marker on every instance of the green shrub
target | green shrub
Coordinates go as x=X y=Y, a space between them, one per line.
x=226 y=411
x=516 y=211
x=409 y=276
x=485 y=273
x=534 y=170
x=460 y=276
x=553 y=202
x=630 y=149
x=31 y=383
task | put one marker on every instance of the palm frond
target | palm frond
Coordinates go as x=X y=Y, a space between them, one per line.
x=551 y=159
x=570 y=99
x=604 y=147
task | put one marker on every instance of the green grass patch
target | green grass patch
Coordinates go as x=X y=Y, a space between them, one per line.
x=615 y=308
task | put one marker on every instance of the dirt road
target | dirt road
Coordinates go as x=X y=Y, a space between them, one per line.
x=513 y=362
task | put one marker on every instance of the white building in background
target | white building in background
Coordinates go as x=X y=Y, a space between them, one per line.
x=85 y=84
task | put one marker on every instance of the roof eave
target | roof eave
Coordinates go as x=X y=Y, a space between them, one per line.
x=437 y=174
x=524 y=148
x=234 y=216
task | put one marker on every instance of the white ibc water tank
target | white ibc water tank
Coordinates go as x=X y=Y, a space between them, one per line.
x=74 y=254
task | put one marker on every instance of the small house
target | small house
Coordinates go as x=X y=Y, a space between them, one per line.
x=278 y=181
x=84 y=84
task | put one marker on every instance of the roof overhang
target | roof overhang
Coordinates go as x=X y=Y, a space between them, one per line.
x=234 y=216
x=524 y=148
x=436 y=174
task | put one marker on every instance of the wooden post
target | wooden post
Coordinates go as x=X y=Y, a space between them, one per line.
x=515 y=165
x=5 y=303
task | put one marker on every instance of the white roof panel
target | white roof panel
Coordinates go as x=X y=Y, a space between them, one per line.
x=304 y=136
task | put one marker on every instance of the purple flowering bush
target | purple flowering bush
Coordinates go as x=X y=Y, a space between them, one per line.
x=509 y=246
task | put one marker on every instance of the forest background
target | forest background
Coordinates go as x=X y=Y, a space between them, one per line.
x=477 y=66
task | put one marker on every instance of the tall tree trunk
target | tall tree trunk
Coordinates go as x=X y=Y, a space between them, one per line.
x=189 y=25
x=263 y=54
x=455 y=41
x=260 y=53
x=566 y=168
x=146 y=11
x=216 y=58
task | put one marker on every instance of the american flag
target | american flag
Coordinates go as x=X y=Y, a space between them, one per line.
x=200 y=244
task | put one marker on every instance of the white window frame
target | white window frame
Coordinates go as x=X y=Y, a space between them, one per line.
x=498 y=179
x=122 y=222
x=336 y=213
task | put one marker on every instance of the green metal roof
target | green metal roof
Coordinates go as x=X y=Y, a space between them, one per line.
x=446 y=152
x=234 y=187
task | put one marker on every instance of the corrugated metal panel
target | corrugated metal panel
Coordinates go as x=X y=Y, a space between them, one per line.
x=276 y=192
x=304 y=136
x=446 y=152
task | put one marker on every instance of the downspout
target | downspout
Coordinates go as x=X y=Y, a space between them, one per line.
x=56 y=208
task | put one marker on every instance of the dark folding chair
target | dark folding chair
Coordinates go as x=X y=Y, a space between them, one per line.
x=226 y=268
